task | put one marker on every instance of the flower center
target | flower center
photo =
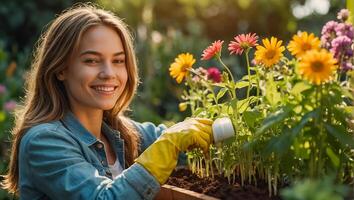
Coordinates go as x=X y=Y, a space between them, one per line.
x=317 y=66
x=245 y=45
x=184 y=68
x=305 y=47
x=270 y=54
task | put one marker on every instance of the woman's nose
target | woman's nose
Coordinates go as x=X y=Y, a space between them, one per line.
x=106 y=71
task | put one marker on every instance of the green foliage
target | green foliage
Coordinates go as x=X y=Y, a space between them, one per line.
x=288 y=126
x=10 y=87
x=321 y=189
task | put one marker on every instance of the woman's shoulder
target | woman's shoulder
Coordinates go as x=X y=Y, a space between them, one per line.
x=49 y=130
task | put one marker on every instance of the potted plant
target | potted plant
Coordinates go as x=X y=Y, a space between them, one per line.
x=293 y=117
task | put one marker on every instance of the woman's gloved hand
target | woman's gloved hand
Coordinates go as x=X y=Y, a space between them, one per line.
x=160 y=158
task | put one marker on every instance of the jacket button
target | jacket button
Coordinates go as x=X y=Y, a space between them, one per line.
x=108 y=173
x=103 y=162
x=99 y=145
x=148 y=192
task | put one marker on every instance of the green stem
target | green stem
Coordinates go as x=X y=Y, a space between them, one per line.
x=233 y=88
x=248 y=72
x=257 y=74
x=191 y=85
x=214 y=97
x=207 y=85
x=321 y=134
x=227 y=69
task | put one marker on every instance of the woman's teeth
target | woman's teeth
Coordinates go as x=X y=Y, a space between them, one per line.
x=104 y=89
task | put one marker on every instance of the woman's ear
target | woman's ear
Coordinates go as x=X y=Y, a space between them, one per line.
x=60 y=76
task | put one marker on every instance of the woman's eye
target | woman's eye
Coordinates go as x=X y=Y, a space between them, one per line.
x=119 y=61
x=91 y=61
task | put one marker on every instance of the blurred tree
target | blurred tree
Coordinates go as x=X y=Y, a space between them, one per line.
x=23 y=21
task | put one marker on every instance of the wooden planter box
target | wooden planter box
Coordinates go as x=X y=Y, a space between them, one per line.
x=169 y=192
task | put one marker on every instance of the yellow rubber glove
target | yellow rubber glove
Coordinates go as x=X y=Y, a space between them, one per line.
x=160 y=158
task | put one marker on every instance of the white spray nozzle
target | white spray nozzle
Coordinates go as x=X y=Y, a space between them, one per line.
x=222 y=129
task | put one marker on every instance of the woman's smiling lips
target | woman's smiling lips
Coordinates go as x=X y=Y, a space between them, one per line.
x=105 y=89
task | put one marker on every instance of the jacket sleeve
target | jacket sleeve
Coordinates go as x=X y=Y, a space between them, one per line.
x=58 y=169
x=149 y=133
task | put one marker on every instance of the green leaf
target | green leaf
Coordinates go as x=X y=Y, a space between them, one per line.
x=304 y=120
x=272 y=94
x=251 y=117
x=2 y=116
x=340 y=133
x=221 y=93
x=281 y=144
x=349 y=109
x=274 y=118
x=334 y=158
x=340 y=114
x=210 y=96
x=245 y=77
x=300 y=87
x=241 y=84
x=243 y=104
x=198 y=111
x=347 y=93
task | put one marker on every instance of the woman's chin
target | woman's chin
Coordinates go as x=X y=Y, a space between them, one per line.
x=106 y=107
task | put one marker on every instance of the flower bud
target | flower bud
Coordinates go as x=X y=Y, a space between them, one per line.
x=182 y=106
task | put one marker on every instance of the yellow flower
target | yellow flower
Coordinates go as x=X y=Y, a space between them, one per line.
x=270 y=53
x=179 y=69
x=303 y=42
x=317 y=66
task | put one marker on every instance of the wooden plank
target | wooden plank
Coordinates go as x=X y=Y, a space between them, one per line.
x=169 y=192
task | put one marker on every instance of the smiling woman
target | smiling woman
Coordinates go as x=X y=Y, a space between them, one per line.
x=97 y=74
x=71 y=136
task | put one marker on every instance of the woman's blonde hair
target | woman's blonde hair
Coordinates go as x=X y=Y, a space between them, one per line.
x=46 y=99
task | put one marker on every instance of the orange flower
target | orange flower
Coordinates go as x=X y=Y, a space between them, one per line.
x=179 y=69
x=303 y=42
x=317 y=66
x=270 y=53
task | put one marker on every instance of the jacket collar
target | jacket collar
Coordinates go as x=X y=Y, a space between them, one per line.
x=75 y=126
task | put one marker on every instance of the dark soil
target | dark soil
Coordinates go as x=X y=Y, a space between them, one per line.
x=218 y=187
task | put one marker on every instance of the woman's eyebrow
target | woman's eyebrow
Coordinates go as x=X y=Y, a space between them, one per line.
x=119 y=53
x=90 y=52
x=99 y=54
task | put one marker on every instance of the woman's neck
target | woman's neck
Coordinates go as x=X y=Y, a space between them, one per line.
x=91 y=120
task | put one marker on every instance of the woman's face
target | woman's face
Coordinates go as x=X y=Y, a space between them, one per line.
x=96 y=75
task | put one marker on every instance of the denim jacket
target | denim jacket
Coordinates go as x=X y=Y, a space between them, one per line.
x=63 y=160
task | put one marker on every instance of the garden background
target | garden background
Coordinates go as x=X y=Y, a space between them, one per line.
x=162 y=29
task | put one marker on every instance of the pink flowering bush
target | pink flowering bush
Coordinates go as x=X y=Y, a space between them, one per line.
x=338 y=38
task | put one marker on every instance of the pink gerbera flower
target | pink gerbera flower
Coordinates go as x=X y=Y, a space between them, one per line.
x=214 y=74
x=212 y=50
x=242 y=42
